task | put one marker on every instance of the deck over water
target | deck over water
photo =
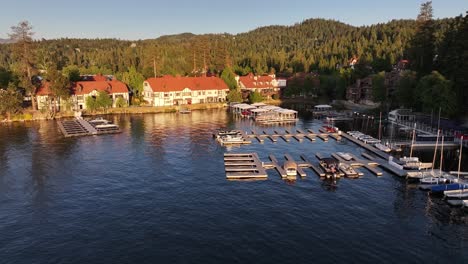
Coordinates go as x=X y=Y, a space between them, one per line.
x=80 y=127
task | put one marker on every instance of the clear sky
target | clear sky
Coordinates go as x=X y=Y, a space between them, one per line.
x=142 y=19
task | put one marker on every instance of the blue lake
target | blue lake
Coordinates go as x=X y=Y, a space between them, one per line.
x=157 y=193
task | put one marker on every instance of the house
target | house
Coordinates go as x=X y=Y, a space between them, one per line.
x=266 y=85
x=79 y=91
x=44 y=98
x=83 y=89
x=169 y=90
x=361 y=91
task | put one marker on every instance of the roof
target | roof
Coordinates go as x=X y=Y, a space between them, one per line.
x=87 y=87
x=44 y=89
x=251 y=81
x=170 y=84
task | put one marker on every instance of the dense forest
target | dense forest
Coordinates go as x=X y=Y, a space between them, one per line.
x=321 y=46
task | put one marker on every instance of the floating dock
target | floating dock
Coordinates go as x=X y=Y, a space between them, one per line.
x=80 y=127
x=240 y=166
x=286 y=135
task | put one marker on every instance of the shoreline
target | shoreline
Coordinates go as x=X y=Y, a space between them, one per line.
x=29 y=115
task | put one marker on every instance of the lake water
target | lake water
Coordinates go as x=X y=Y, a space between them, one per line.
x=157 y=193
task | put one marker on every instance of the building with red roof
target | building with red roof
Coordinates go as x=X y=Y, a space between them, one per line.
x=83 y=89
x=79 y=91
x=267 y=85
x=169 y=90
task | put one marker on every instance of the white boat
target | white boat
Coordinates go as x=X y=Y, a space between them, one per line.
x=456 y=202
x=106 y=126
x=349 y=171
x=185 y=111
x=98 y=121
x=290 y=167
x=383 y=147
x=231 y=139
x=465 y=203
x=433 y=180
x=345 y=156
x=460 y=194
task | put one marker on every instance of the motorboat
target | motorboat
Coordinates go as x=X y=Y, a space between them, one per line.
x=348 y=170
x=185 y=111
x=290 y=167
x=231 y=139
x=98 y=121
x=345 y=156
x=329 y=129
x=413 y=163
x=106 y=126
x=330 y=166
x=382 y=147
x=221 y=133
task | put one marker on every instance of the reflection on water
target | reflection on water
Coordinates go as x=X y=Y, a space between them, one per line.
x=157 y=191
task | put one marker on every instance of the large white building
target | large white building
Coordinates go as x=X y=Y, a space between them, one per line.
x=169 y=90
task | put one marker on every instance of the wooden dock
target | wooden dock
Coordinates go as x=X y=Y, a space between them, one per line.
x=80 y=127
x=286 y=135
x=240 y=166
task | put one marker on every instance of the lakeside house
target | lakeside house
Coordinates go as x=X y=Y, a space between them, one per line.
x=169 y=90
x=80 y=90
x=83 y=89
x=266 y=85
x=361 y=91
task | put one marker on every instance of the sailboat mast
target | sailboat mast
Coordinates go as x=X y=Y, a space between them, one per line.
x=412 y=141
x=435 y=150
x=460 y=157
x=380 y=126
x=441 y=153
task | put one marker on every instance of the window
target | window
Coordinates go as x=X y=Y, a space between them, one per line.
x=166 y=94
x=156 y=95
x=187 y=94
x=177 y=94
x=79 y=97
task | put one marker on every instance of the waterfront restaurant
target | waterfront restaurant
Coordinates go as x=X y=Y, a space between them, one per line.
x=169 y=90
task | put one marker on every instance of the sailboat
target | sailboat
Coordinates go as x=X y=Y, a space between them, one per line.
x=379 y=145
x=435 y=176
x=460 y=196
x=411 y=163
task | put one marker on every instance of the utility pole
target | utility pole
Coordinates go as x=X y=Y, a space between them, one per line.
x=154 y=68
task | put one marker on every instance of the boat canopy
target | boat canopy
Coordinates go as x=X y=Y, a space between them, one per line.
x=290 y=165
x=259 y=104
x=323 y=106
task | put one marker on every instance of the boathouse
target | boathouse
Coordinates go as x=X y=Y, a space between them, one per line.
x=169 y=90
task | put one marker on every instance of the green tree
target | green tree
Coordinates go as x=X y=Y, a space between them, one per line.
x=72 y=72
x=422 y=45
x=405 y=91
x=23 y=52
x=135 y=80
x=59 y=86
x=103 y=100
x=91 y=104
x=436 y=92
x=255 y=97
x=120 y=102
x=229 y=78
x=10 y=101
x=234 y=96
x=379 y=91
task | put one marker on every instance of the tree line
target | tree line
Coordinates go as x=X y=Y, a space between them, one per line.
x=314 y=45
